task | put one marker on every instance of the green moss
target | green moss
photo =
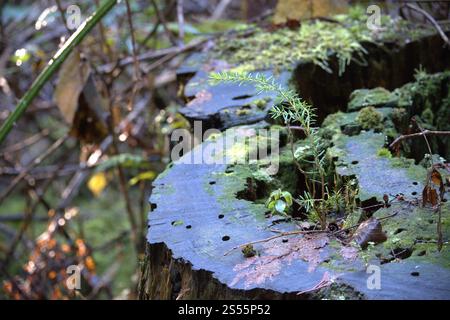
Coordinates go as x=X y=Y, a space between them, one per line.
x=315 y=41
x=242 y=112
x=402 y=162
x=414 y=229
x=333 y=120
x=369 y=118
x=384 y=152
x=364 y=97
x=248 y=251
x=261 y=103
x=284 y=47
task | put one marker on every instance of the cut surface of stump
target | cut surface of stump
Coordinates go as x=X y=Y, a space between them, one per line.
x=204 y=214
x=198 y=218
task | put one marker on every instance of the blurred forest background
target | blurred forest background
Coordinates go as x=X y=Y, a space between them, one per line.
x=76 y=170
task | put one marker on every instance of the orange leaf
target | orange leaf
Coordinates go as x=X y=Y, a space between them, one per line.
x=429 y=195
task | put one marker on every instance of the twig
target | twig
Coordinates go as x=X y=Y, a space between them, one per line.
x=295 y=232
x=38 y=196
x=220 y=9
x=137 y=73
x=418 y=134
x=426 y=140
x=440 y=240
x=150 y=34
x=26 y=142
x=27 y=219
x=19 y=218
x=63 y=17
x=162 y=19
x=180 y=17
x=35 y=162
x=104 y=44
x=154 y=54
x=281 y=234
x=431 y=19
x=121 y=174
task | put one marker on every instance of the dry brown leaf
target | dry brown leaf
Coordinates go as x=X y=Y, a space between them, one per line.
x=71 y=81
x=429 y=196
x=369 y=231
x=434 y=190
x=438 y=182
x=304 y=9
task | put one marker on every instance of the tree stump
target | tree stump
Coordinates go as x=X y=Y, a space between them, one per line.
x=202 y=214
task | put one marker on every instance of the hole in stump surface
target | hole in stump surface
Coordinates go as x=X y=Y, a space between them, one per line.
x=225 y=238
x=244 y=96
x=399 y=230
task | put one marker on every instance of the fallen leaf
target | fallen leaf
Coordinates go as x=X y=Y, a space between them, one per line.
x=438 y=182
x=287 y=10
x=369 y=231
x=78 y=100
x=97 y=183
x=71 y=80
x=429 y=196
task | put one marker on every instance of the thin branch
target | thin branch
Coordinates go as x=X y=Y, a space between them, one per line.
x=162 y=19
x=220 y=9
x=431 y=19
x=279 y=235
x=25 y=143
x=426 y=141
x=418 y=134
x=180 y=17
x=296 y=232
x=137 y=73
x=35 y=162
x=63 y=17
x=154 y=54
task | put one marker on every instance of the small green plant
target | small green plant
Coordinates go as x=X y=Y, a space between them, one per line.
x=279 y=202
x=318 y=209
x=291 y=109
